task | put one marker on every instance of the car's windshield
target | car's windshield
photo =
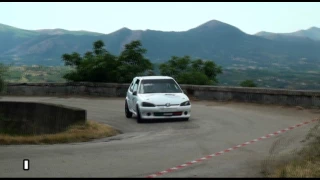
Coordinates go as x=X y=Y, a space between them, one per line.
x=159 y=86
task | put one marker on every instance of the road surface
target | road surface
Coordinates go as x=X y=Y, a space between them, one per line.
x=144 y=149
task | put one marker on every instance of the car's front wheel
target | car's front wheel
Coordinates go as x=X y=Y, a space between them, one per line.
x=128 y=113
x=139 y=118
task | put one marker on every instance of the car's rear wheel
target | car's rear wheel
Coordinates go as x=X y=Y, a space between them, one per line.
x=139 y=118
x=128 y=113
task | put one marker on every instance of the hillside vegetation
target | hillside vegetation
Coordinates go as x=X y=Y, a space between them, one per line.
x=224 y=43
x=229 y=77
x=276 y=60
x=99 y=65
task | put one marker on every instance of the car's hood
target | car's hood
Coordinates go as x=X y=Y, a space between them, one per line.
x=163 y=98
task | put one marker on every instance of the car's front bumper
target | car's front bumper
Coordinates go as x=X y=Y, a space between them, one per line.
x=161 y=112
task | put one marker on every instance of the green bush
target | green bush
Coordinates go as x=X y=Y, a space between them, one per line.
x=248 y=83
x=3 y=70
x=188 y=71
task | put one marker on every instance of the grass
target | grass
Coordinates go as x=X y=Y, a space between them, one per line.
x=307 y=164
x=76 y=133
x=37 y=74
x=299 y=169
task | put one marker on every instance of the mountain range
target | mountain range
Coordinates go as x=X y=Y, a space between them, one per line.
x=214 y=40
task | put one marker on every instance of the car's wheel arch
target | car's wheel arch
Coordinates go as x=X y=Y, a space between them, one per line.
x=127 y=102
x=137 y=105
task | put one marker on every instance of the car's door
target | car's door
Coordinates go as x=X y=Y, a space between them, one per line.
x=134 y=97
x=129 y=94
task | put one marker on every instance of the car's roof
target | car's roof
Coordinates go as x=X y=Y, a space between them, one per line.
x=154 y=77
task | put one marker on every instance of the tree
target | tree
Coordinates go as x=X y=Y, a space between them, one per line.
x=3 y=70
x=248 y=83
x=96 y=66
x=133 y=63
x=188 y=71
x=101 y=66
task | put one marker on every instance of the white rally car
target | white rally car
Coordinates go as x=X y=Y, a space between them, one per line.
x=156 y=97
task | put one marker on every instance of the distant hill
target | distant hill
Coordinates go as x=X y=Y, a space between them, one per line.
x=63 y=31
x=225 y=44
x=312 y=33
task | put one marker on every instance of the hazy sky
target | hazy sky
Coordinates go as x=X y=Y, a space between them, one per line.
x=107 y=17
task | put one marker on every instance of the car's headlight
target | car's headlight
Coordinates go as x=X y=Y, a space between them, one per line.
x=187 y=103
x=146 y=104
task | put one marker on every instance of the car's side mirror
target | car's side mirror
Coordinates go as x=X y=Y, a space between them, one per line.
x=134 y=93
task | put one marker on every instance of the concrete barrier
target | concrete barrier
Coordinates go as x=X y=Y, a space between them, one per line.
x=66 y=89
x=37 y=118
x=308 y=99
x=218 y=93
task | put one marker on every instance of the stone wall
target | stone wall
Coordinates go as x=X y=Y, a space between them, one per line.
x=218 y=93
x=66 y=89
x=37 y=118
x=309 y=99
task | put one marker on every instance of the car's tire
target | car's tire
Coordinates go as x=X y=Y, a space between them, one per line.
x=127 y=112
x=139 y=118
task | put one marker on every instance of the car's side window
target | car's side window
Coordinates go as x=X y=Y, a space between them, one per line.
x=135 y=86
x=131 y=87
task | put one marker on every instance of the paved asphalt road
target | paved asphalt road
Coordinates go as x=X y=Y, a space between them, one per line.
x=144 y=149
